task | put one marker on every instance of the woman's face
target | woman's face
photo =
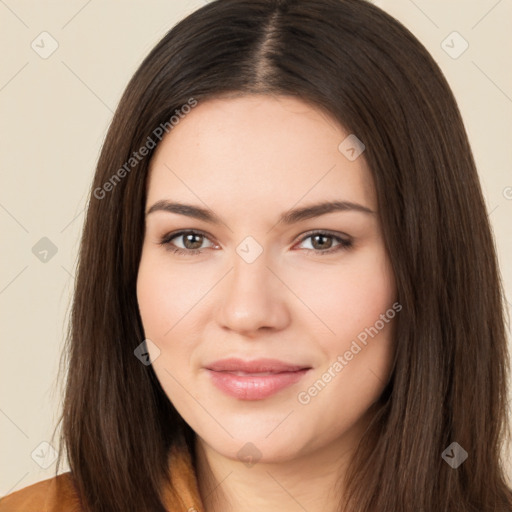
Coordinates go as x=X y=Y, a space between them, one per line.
x=313 y=290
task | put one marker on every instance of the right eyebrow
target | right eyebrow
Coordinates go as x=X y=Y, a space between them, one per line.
x=185 y=209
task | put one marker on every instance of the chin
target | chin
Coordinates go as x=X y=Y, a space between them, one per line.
x=253 y=447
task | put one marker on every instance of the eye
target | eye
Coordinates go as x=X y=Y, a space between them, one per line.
x=322 y=242
x=191 y=241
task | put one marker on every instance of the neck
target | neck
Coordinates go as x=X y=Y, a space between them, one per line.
x=312 y=481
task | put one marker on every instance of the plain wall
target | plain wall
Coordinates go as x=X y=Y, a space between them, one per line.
x=54 y=115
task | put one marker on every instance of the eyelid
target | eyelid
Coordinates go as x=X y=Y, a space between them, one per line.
x=344 y=241
x=327 y=232
x=181 y=232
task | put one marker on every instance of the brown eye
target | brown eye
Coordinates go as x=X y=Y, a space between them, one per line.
x=323 y=243
x=191 y=242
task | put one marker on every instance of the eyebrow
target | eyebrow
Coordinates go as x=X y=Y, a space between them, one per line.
x=289 y=217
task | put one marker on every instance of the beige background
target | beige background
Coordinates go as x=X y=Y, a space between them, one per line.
x=55 y=113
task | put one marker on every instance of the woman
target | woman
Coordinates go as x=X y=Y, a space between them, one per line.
x=288 y=296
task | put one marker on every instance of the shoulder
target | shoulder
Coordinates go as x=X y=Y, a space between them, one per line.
x=56 y=494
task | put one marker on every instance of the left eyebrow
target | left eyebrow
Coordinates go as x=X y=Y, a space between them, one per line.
x=315 y=210
x=289 y=217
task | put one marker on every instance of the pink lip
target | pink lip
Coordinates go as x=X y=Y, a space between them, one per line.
x=253 y=385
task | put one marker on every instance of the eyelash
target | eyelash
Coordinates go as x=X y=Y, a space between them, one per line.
x=166 y=241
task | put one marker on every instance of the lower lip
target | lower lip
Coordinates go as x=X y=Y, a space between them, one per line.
x=254 y=387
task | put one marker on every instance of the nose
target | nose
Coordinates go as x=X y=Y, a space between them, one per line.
x=253 y=298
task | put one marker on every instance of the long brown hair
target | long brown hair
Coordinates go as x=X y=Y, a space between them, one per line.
x=449 y=381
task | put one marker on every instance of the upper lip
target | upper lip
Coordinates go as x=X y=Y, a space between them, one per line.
x=255 y=366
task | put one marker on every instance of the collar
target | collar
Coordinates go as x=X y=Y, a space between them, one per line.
x=183 y=479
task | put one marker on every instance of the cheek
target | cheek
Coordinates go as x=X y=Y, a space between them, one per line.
x=354 y=296
x=169 y=300
x=152 y=300
x=165 y=300
x=356 y=304
x=165 y=296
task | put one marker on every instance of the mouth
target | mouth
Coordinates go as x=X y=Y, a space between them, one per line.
x=254 y=380
x=256 y=366
x=253 y=374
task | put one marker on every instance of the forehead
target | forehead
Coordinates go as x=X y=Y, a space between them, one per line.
x=257 y=150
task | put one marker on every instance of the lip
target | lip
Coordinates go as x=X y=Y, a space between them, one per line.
x=256 y=379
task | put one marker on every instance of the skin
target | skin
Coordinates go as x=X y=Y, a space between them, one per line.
x=249 y=159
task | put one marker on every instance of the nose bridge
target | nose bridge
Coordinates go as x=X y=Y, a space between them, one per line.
x=250 y=267
x=253 y=296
